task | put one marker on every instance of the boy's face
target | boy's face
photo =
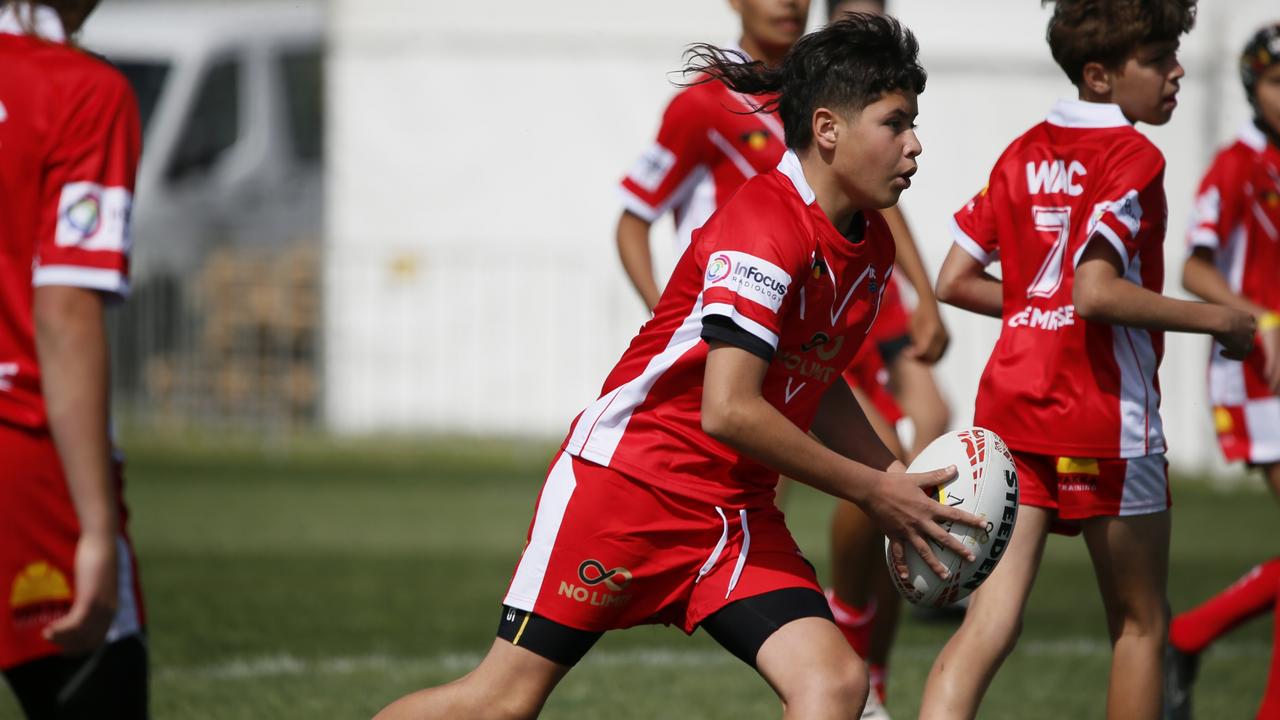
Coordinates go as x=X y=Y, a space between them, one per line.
x=773 y=23
x=876 y=149
x=1146 y=86
x=1266 y=95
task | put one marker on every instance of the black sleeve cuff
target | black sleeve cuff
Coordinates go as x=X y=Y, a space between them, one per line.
x=722 y=329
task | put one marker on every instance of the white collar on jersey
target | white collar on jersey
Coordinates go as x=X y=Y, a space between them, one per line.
x=790 y=166
x=46 y=21
x=1081 y=114
x=1253 y=137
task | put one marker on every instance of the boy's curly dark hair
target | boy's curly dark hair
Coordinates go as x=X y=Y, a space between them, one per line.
x=1107 y=31
x=845 y=66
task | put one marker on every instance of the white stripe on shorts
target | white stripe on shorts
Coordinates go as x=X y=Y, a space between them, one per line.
x=1146 y=486
x=1262 y=420
x=532 y=570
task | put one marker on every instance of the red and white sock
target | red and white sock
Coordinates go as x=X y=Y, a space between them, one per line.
x=879 y=681
x=1248 y=597
x=854 y=622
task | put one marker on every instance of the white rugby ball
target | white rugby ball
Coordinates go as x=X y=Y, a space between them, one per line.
x=987 y=486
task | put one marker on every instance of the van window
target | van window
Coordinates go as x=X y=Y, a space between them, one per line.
x=214 y=123
x=147 y=79
x=304 y=97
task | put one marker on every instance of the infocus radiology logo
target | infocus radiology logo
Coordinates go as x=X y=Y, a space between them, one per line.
x=719 y=268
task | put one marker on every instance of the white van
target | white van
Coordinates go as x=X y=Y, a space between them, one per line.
x=221 y=327
x=231 y=101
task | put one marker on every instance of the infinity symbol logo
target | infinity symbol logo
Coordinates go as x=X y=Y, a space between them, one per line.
x=592 y=572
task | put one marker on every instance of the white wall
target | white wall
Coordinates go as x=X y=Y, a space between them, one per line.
x=472 y=280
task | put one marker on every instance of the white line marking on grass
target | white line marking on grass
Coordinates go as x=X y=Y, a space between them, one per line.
x=288 y=665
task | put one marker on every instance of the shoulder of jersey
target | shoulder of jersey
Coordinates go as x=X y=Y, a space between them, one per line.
x=78 y=67
x=772 y=194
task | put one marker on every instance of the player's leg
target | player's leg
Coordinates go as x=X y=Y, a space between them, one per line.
x=1270 y=707
x=788 y=637
x=1191 y=632
x=913 y=387
x=512 y=681
x=108 y=684
x=862 y=597
x=1131 y=560
x=964 y=669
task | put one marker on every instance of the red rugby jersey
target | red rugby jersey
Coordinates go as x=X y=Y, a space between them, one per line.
x=771 y=270
x=1237 y=216
x=69 y=145
x=709 y=144
x=1055 y=383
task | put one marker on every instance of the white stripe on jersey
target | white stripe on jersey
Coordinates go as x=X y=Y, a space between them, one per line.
x=1141 y=432
x=532 y=570
x=732 y=153
x=1145 y=486
x=601 y=426
x=1265 y=222
x=695 y=207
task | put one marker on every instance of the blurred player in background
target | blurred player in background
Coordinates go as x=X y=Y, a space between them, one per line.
x=892 y=379
x=71 y=634
x=660 y=507
x=1075 y=209
x=1235 y=260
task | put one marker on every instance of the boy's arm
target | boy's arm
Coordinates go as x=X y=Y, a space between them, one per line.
x=1201 y=277
x=964 y=283
x=1102 y=294
x=929 y=337
x=72 y=348
x=637 y=260
x=735 y=412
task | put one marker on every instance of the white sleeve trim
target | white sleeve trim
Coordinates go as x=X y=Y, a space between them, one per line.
x=633 y=204
x=1204 y=238
x=101 y=279
x=746 y=323
x=969 y=245
x=1105 y=231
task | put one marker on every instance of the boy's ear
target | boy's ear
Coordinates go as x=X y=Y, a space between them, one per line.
x=1096 y=78
x=826 y=128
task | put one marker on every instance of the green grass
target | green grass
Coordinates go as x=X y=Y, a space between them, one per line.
x=330 y=580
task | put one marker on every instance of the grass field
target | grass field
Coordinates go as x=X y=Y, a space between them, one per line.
x=326 y=582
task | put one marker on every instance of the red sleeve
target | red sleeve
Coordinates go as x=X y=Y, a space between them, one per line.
x=1219 y=202
x=1130 y=212
x=973 y=228
x=666 y=172
x=755 y=260
x=88 y=189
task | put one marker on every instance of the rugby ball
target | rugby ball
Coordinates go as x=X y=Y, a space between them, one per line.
x=987 y=486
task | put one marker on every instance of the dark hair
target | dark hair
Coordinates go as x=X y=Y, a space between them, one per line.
x=833 y=4
x=845 y=66
x=1107 y=31
x=1260 y=53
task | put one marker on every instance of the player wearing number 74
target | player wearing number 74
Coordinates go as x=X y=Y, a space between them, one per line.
x=1075 y=212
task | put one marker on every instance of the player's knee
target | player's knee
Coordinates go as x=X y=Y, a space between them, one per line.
x=836 y=685
x=998 y=628
x=1139 y=620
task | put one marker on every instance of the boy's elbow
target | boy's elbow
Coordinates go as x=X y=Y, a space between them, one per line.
x=1088 y=301
x=945 y=290
x=719 y=420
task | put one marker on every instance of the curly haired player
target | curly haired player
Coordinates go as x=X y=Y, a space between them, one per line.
x=1075 y=209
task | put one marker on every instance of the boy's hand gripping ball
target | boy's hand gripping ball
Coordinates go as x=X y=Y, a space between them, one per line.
x=987 y=486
